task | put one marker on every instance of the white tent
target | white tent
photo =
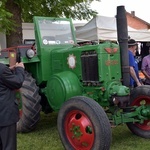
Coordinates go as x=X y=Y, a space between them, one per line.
x=104 y=28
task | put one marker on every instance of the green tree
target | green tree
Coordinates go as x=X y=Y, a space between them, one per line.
x=5 y=16
x=24 y=10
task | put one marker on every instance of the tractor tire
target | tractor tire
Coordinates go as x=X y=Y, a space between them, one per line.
x=83 y=125
x=139 y=95
x=30 y=105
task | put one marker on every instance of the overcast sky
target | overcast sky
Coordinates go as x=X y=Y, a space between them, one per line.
x=108 y=7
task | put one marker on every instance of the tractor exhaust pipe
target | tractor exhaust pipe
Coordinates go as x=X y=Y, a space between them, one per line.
x=122 y=34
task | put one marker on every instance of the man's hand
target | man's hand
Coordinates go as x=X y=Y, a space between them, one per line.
x=19 y=65
x=12 y=67
x=133 y=74
x=139 y=84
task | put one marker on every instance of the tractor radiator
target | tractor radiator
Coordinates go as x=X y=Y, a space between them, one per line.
x=89 y=60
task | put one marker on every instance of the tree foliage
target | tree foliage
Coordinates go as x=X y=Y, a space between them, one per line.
x=5 y=16
x=75 y=9
x=15 y=10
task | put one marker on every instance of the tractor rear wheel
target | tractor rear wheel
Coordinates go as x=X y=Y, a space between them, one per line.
x=30 y=105
x=83 y=125
x=140 y=95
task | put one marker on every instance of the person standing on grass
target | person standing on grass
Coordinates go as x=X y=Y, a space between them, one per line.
x=10 y=79
x=134 y=71
x=146 y=68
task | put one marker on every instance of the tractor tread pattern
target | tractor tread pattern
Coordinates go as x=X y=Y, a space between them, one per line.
x=30 y=105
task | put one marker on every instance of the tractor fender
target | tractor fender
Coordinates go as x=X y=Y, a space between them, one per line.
x=62 y=86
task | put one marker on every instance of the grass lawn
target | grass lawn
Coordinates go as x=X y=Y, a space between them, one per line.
x=45 y=137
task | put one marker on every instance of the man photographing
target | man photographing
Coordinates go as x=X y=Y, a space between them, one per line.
x=10 y=80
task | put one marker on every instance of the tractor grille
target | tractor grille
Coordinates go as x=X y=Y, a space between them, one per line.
x=89 y=60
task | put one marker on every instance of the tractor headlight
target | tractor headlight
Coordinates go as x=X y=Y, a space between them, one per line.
x=30 y=53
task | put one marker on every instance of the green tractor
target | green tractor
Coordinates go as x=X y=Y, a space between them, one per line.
x=87 y=85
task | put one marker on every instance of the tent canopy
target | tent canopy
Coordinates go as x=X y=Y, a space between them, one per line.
x=104 y=28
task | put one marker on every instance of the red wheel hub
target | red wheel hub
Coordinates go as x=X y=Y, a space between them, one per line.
x=79 y=130
x=18 y=97
x=20 y=108
x=138 y=102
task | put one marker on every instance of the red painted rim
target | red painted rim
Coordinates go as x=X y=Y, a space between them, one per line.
x=79 y=130
x=20 y=107
x=136 y=102
x=20 y=112
x=19 y=99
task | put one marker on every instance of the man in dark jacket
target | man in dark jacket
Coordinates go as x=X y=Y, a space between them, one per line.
x=10 y=80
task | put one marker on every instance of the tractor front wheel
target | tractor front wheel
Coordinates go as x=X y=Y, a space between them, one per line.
x=140 y=96
x=29 y=105
x=83 y=125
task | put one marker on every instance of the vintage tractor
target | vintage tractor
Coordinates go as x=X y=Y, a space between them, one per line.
x=87 y=85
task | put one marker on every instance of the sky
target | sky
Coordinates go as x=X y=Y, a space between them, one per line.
x=109 y=7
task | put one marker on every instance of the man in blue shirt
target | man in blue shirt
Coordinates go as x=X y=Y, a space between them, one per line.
x=134 y=71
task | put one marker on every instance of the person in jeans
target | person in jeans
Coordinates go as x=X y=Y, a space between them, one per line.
x=145 y=68
x=10 y=80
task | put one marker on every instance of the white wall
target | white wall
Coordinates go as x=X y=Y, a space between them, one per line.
x=28 y=31
x=2 y=41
